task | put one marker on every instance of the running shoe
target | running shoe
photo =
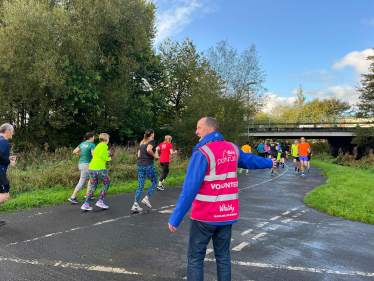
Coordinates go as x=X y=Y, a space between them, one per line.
x=247 y=174
x=86 y=207
x=73 y=200
x=101 y=204
x=283 y=166
x=92 y=197
x=160 y=187
x=308 y=169
x=136 y=209
x=302 y=175
x=146 y=202
x=295 y=169
x=2 y=223
x=298 y=170
x=271 y=171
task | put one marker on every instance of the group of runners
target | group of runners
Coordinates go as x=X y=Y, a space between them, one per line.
x=92 y=165
x=300 y=152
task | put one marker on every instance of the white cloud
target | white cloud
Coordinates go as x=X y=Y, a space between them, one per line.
x=173 y=20
x=357 y=60
x=349 y=94
x=273 y=101
x=368 y=21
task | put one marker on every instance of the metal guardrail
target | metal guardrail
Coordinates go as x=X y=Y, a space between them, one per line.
x=338 y=124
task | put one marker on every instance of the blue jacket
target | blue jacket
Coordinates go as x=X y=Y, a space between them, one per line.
x=4 y=155
x=196 y=172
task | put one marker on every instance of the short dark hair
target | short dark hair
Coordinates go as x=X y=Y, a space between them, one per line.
x=274 y=139
x=211 y=122
x=89 y=135
x=247 y=142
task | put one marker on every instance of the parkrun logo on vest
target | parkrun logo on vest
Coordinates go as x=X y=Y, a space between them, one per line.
x=226 y=208
x=228 y=156
x=224 y=185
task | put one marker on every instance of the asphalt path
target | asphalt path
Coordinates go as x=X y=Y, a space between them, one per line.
x=277 y=237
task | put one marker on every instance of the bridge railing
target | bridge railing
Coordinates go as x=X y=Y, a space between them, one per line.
x=309 y=123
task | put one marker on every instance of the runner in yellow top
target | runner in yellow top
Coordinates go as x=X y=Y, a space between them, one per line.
x=247 y=149
x=295 y=155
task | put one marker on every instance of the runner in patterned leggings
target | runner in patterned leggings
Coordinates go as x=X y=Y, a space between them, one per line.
x=98 y=172
x=146 y=167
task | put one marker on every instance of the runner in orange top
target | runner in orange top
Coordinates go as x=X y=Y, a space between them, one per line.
x=247 y=149
x=303 y=148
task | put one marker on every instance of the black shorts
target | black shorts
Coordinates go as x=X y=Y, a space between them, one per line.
x=283 y=155
x=309 y=156
x=4 y=184
x=274 y=156
x=297 y=158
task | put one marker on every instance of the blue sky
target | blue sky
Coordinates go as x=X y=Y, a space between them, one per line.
x=322 y=45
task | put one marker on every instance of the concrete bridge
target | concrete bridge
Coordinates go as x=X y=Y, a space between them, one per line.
x=338 y=132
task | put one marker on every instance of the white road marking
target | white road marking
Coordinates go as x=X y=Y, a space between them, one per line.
x=286 y=213
x=264 y=181
x=240 y=246
x=259 y=235
x=262 y=224
x=208 y=251
x=294 y=209
x=167 y=207
x=287 y=221
x=274 y=227
x=299 y=268
x=274 y=218
x=166 y=211
x=246 y=232
x=72 y=265
x=297 y=215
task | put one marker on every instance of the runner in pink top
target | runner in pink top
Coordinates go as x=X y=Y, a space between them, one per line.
x=166 y=149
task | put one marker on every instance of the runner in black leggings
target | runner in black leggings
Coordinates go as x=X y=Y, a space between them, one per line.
x=166 y=149
x=274 y=153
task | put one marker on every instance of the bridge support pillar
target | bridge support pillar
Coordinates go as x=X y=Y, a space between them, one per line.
x=336 y=143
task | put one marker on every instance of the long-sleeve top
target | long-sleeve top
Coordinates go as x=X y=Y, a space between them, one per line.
x=4 y=155
x=100 y=157
x=196 y=172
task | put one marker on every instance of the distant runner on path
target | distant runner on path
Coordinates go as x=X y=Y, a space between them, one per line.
x=261 y=149
x=274 y=154
x=85 y=150
x=247 y=149
x=309 y=157
x=295 y=155
x=166 y=150
x=211 y=187
x=97 y=172
x=6 y=133
x=287 y=149
x=303 y=149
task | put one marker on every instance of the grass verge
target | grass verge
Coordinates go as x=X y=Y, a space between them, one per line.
x=59 y=194
x=349 y=192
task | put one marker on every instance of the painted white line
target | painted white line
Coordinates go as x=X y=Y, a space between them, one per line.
x=166 y=211
x=259 y=235
x=72 y=265
x=287 y=221
x=294 y=209
x=208 y=251
x=274 y=218
x=303 y=211
x=274 y=227
x=240 y=246
x=246 y=232
x=262 y=224
x=297 y=215
x=299 y=268
x=167 y=207
x=286 y=213
x=264 y=181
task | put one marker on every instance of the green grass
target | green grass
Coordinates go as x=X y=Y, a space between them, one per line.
x=349 y=192
x=59 y=194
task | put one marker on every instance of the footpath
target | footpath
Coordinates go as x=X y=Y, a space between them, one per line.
x=276 y=238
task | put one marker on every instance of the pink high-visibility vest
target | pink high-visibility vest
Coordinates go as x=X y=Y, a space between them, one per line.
x=218 y=198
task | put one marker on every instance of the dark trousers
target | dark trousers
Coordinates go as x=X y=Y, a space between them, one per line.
x=261 y=154
x=199 y=236
x=165 y=170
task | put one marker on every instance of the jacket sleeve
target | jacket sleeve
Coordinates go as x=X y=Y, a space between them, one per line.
x=194 y=178
x=250 y=161
x=3 y=159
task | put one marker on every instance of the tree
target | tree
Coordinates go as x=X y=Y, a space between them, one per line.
x=238 y=71
x=366 y=104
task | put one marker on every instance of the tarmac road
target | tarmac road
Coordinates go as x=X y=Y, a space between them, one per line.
x=277 y=237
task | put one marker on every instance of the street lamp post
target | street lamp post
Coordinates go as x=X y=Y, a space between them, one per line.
x=250 y=83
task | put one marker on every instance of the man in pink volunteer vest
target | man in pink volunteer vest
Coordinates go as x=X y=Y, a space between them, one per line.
x=211 y=187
